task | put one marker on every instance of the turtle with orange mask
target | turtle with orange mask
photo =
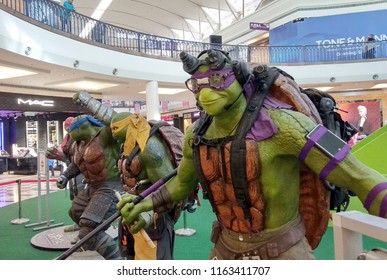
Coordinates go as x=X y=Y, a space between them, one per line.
x=150 y=150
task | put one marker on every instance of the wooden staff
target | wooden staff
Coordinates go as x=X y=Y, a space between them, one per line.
x=115 y=216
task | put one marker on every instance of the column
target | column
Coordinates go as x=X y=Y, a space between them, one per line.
x=152 y=101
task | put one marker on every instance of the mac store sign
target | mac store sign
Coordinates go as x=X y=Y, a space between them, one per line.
x=37 y=103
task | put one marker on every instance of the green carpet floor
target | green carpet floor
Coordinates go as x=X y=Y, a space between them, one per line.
x=15 y=239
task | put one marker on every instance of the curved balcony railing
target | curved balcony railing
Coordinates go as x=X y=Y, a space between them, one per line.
x=51 y=15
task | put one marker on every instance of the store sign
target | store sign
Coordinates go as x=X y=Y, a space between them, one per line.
x=259 y=26
x=42 y=163
x=44 y=103
x=167 y=118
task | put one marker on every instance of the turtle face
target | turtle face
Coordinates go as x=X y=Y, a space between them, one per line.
x=120 y=136
x=67 y=122
x=81 y=129
x=214 y=90
x=119 y=133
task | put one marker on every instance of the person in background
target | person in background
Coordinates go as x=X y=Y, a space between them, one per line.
x=66 y=15
x=363 y=117
x=362 y=124
x=51 y=167
x=98 y=33
x=360 y=135
x=369 y=48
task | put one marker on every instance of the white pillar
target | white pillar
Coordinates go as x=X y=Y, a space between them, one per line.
x=152 y=101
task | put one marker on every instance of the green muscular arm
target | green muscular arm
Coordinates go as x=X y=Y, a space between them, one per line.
x=112 y=149
x=350 y=173
x=355 y=176
x=71 y=172
x=179 y=187
x=182 y=185
x=156 y=164
x=155 y=160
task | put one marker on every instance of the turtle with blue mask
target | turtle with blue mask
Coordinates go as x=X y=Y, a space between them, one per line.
x=150 y=150
x=95 y=153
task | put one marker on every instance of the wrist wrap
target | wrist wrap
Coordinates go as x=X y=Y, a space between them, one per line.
x=162 y=200
x=147 y=217
x=373 y=194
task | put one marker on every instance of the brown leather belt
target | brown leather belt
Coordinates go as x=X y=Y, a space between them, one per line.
x=271 y=249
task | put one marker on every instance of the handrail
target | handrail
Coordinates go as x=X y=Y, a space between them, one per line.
x=349 y=228
x=49 y=14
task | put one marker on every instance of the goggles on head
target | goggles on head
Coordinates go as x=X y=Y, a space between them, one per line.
x=217 y=81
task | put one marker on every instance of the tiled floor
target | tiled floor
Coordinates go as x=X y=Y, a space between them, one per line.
x=29 y=187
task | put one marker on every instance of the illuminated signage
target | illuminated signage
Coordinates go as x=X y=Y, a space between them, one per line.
x=167 y=118
x=44 y=103
x=259 y=26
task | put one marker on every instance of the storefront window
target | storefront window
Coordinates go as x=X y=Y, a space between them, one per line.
x=32 y=134
x=52 y=133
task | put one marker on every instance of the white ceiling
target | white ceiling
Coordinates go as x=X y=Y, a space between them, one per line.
x=161 y=17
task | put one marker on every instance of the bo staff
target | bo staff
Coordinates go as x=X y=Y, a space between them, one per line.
x=115 y=216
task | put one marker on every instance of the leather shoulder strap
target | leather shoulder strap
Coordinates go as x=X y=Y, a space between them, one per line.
x=265 y=78
x=199 y=132
x=238 y=151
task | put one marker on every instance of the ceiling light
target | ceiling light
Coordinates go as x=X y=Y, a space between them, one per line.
x=353 y=89
x=323 y=88
x=380 y=86
x=9 y=72
x=97 y=14
x=85 y=84
x=168 y=90
x=100 y=10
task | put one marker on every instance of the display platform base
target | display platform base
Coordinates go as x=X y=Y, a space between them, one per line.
x=56 y=239
x=20 y=221
x=185 y=231
x=85 y=255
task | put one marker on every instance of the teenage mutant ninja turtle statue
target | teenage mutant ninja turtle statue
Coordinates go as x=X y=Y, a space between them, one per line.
x=95 y=153
x=257 y=194
x=150 y=150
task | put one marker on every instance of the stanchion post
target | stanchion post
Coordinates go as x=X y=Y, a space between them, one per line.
x=48 y=214
x=19 y=220
x=43 y=172
x=185 y=231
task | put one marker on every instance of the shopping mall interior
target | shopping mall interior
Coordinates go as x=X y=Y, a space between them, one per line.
x=126 y=56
